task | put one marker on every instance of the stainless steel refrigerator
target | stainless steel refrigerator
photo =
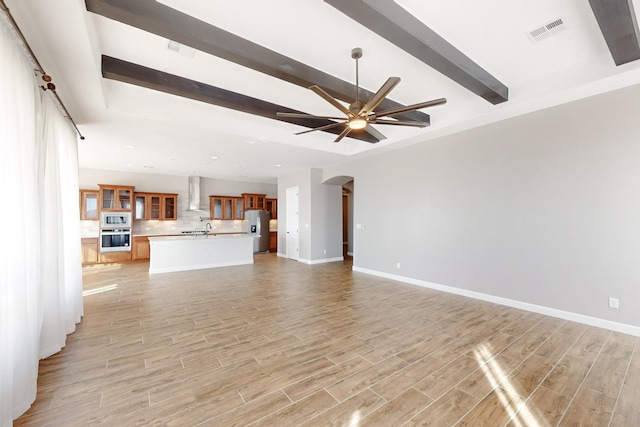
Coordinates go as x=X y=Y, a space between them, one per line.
x=259 y=226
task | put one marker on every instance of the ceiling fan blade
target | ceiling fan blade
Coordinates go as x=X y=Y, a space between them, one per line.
x=307 y=116
x=400 y=123
x=374 y=132
x=331 y=100
x=379 y=96
x=426 y=104
x=325 y=127
x=344 y=133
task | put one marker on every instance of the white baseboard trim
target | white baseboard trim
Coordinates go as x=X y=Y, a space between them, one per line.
x=320 y=261
x=548 y=311
x=350 y=253
x=281 y=255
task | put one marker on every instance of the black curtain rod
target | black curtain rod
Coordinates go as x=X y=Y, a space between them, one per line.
x=49 y=86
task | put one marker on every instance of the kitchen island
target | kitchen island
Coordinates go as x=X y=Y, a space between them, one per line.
x=193 y=252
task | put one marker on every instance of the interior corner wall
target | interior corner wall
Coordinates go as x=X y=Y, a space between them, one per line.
x=326 y=218
x=320 y=216
x=542 y=209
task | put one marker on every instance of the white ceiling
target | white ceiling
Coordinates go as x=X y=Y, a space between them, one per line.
x=178 y=136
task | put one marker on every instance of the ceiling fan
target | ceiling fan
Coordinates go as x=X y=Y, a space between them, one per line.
x=361 y=115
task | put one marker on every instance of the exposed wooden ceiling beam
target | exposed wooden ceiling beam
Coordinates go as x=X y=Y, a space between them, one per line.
x=156 y=18
x=389 y=20
x=617 y=21
x=127 y=72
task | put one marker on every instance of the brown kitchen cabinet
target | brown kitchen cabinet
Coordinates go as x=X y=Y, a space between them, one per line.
x=114 y=256
x=116 y=197
x=169 y=206
x=273 y=241
x=254 y=201
x=89 y=250
x=226 y=207
x=155 y=206
x=271 y=205
x=89 y=204
x=140 y=248
x=238 y=208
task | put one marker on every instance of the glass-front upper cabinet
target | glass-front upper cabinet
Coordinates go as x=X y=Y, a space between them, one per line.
x=116 y=198
x=271 y=205
x=239 y=208
x=228 y=208
x=124 y=198
x=141 y=207
x=223 y=207
x=170 y=202
x=157 y=206
x=216 y=207
x=154 y=207
x=254 y=201
x=89 y=204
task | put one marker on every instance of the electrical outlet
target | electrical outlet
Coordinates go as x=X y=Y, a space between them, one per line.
x=325 y=251
x=398 y=264
x=614 y=302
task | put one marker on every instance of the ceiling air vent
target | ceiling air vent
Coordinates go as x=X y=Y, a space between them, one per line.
x=181 y=49
x=546 y=31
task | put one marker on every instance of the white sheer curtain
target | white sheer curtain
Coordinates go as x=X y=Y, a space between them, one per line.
x=60 y=272
x=40 y=264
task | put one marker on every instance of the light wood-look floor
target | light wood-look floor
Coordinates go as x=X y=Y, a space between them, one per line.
x=280 y=343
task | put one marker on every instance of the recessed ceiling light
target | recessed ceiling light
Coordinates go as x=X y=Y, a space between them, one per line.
x=130 y=164
x=278 y=166
x=214 y=157
x=130 y=147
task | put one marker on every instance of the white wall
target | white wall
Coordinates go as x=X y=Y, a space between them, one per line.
x=542 y=209
x=320 y=216
x=326 y=218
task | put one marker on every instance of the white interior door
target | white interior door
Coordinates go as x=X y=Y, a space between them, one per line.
x=293 y=233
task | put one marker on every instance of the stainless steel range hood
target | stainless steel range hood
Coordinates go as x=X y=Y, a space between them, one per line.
x=194 y=193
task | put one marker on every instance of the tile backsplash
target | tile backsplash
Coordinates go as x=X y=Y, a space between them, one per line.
x=188 y=221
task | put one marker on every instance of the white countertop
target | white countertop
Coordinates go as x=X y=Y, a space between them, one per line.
x=201 y=237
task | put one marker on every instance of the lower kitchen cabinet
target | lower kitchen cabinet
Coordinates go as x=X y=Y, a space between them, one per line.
x=140 y=248
x=89 y=250
x=114 y=256
x=273 y=241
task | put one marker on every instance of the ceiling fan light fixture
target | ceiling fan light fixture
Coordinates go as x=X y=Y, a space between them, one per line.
x=360 y=115
x=358 y=123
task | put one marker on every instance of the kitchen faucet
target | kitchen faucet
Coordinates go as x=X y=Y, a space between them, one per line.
x=207 y=227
